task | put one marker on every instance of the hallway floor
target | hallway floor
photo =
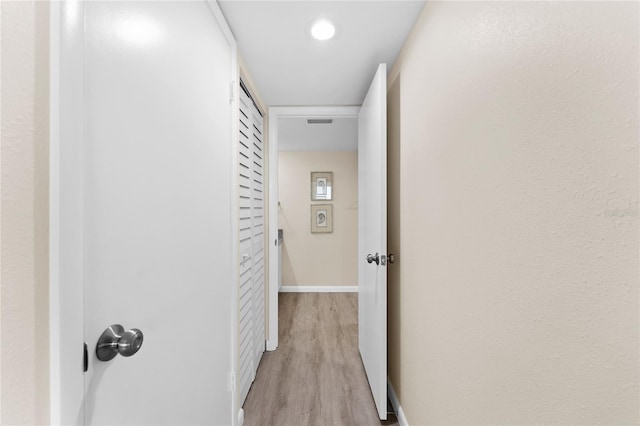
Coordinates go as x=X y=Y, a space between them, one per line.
x=316 y=376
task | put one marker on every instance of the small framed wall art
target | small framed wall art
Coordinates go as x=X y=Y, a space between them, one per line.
x=321 y=186
x=321 y=218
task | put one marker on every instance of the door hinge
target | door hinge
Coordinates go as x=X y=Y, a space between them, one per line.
x=232 y=92
x=232 y=381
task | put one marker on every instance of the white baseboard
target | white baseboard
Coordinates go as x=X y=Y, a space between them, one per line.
x=319 y=289
x=393 y=398
x=270 y=346
x=240 y=417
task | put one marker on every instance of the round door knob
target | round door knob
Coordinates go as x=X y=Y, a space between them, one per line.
x=130 y=342
x=115 y=340
x=371 y=258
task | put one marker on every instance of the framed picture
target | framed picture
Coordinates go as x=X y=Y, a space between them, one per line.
x=321 y=218
x=321 y=186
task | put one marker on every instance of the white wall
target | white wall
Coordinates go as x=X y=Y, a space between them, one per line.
x=516 y=136
x=296 y=134
x=24 y=212
x=326 y=259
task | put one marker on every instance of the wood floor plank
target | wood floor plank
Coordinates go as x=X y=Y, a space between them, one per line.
x=315 y=377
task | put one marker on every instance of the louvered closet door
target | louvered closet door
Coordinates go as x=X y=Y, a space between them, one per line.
x=251 y=236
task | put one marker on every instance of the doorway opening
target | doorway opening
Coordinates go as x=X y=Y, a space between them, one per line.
x=317 y=370
x=318 y=204
x=308 y=143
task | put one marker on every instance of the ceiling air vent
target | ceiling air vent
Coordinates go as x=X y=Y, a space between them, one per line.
x=319 y=121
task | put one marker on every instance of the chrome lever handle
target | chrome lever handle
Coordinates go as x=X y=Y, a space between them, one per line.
x=115 y=340
x=371 y=258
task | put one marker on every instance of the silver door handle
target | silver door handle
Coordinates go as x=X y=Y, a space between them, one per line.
x=371 y=258
x=115 y=340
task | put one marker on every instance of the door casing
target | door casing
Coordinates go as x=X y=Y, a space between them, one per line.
x=276 y=113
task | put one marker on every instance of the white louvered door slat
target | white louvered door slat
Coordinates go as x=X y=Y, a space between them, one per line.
x=245 y=293
x=251 y=237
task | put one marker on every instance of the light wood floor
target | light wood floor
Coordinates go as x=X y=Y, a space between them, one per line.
x=316 y=375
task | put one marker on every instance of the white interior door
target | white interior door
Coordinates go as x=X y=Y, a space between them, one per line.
x=372 y=237
x=157 y=211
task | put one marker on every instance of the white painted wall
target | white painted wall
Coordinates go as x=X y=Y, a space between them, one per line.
x=24 y=213
x=318 y=259
x=296 y=134
x=517 y=303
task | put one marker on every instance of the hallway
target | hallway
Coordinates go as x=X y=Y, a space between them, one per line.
x=512 y=212
x=316 y=376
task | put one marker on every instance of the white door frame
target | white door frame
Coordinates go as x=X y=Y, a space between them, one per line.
x=276 y=113
x=66 y=290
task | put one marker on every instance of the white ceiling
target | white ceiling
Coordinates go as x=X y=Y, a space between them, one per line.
x=295 y=134
x=290 y=68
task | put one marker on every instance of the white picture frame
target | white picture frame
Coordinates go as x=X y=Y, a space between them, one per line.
x=321 y=218
x=321 y=186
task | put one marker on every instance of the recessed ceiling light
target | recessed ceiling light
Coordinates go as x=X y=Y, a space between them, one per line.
x=323 y=30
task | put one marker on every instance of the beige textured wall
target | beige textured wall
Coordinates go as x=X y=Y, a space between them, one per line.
x=318 y=259
x=24 y=212
x=518 y=299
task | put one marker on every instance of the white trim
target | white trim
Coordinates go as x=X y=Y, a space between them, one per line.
x=240 y=417
x=319 y=289
x=316 y=112
x=272 y=234
x=276 y=113
x=224 y=27
x=395 y=403
x=234 y=87
x=55 y=343
x=66 y=291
